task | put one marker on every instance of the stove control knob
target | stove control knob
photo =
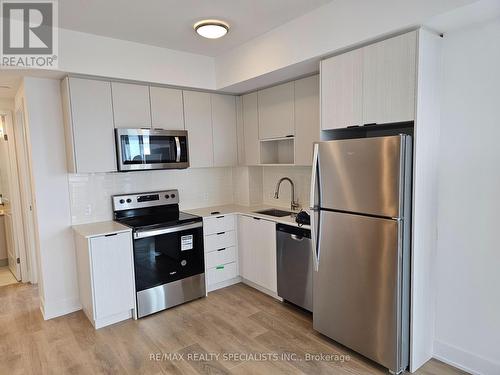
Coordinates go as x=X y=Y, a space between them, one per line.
x=172 y=195
x=183 y=262
x=129 y=200
x=167 y=196
x=122 y=201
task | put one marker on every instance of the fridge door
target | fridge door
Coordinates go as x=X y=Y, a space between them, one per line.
x=358 y=286
x=363 y=175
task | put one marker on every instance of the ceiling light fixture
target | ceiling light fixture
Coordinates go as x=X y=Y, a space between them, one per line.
x=211 y=29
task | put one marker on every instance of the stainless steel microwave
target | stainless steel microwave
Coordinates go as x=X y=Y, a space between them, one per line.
x=146 y=149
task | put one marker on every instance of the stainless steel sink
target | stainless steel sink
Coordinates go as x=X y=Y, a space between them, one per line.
x=274 y=212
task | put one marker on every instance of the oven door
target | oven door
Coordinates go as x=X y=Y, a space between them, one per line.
x=139 y=149
x=166 y=255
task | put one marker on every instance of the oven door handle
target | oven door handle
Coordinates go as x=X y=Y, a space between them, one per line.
x=178 y=147
x=160 y=231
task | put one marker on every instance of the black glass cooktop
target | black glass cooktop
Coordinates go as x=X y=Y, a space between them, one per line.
x=155 y=217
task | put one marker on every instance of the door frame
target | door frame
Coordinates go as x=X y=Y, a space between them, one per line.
x=26 y=195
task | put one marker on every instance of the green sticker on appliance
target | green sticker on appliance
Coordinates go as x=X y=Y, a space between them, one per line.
x=219 y=267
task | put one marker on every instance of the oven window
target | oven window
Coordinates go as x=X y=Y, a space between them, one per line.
x=144 y=149
x=169 y=257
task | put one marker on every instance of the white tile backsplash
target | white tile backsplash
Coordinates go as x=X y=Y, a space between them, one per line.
x=90 y=194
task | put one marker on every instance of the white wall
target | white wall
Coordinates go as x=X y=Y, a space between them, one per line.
x=56 y=251
x=332 y=27
x=467 y=328
x=90 y=194
x=83 y=53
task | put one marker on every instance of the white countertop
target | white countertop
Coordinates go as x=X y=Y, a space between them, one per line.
x=100 y=229
x=245 y=210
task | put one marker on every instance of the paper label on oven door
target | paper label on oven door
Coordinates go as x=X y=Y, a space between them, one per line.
x=186 y=242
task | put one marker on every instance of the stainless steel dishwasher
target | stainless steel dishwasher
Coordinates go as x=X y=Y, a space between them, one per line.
x=295 y=268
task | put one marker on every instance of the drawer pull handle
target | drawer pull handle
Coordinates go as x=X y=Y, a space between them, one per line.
x=220 y=233
x=111 y=235
x=220 y=217
x=219 y=267
x=221 y=249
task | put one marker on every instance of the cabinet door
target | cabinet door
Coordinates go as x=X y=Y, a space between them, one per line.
x=239 y=131
x=112 y=274
x=198 y=120
x=342 y=90
x=276 y=116
x=265 y=255
x=224 y=130
x=389 y=77
x=92 y=126
x=251 y=129
x=167 y=110
x=131 y=105
x=247 y=245
x=306 y=118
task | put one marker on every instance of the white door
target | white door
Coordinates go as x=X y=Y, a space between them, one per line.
x=251 y=129
x=342 y=90
x=131 y=105
x=12 y=253
x=93 y=128
x=306 y=118
x=198 y=119
x=27 y=255
x=224 y=130
x=167 y=110
x=389 y=80
x=112 y=274
x=265 y=255
x=276 y=116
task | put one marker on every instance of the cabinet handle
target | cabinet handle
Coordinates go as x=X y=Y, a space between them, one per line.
x=256 y=218
x=370 y=124
x=353 y=126
x=221 y=267
x=289 y=136
x=221 y=249
x=219 y=217
x=110 y=235
x=220 y=233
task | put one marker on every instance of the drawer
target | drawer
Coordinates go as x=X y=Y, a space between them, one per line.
x=219 y=257
x=220 y=240
x=222 y=273
x=217 y=224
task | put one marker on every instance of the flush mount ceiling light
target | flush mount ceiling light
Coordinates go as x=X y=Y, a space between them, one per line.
x=211 y=29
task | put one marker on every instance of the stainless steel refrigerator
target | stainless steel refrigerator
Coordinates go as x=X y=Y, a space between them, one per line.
x=360 y=229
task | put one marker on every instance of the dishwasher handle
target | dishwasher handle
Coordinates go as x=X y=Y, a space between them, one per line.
x=296 y=237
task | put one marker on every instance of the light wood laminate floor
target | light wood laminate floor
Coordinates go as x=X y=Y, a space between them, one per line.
x=237 y=320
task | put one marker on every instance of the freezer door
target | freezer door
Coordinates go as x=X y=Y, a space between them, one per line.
x=363 y=175
x=357 y=287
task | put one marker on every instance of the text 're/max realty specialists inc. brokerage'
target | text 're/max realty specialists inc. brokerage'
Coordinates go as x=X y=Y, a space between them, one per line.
x=29 y=34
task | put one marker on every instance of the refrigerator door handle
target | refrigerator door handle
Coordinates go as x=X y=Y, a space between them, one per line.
x=314 y=209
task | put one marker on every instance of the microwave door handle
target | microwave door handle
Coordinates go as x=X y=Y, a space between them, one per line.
x=178 y=148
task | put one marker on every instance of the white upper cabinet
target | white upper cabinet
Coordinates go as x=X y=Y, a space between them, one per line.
x=342 y=90
x=239 y=130
x=389 y=80
x=89 y=129
x=131 y=105
x=167 y=110
x=306 y=118
x=251 y=129
x=198 y=121
x=224 y=130
x=276 y=114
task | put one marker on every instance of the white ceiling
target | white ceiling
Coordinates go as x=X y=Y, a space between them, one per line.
x=169 y=23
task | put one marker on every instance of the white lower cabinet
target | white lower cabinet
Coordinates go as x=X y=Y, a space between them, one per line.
x=106 y=277
x=257 y=251
x=221 y=252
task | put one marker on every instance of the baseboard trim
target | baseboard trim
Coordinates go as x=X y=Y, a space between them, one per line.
x=59 y=308
x=261 y=289
x=4 y=262
x=463 y=360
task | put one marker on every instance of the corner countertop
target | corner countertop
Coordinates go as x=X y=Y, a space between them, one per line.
x=245 y=210
x=100 y=229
